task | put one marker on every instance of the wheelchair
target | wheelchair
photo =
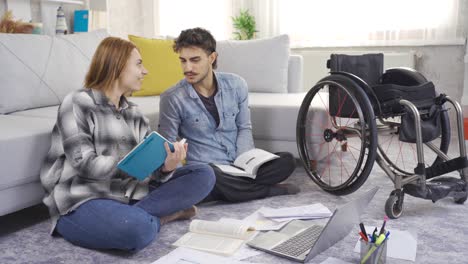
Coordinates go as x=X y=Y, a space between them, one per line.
x=359 y=115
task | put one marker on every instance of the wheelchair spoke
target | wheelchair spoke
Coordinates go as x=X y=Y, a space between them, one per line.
x=399 y=154
x=413 y=150
x=341 y=104
x=358 y=150
x=326 y=107
x=402 y=158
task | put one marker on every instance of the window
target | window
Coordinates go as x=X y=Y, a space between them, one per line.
x=368 y=22
x=213 y=15
x=308 y=23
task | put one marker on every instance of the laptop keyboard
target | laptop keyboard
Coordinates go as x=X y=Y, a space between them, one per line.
x=299 y=243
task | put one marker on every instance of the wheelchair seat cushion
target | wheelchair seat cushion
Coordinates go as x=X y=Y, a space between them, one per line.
x=422 y=96
x=389 y=94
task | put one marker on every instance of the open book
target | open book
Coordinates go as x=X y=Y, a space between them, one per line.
x=222 y=237
x=146 y=157
x=248 y=163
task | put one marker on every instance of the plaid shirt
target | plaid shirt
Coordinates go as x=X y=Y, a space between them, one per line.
x=88 y=140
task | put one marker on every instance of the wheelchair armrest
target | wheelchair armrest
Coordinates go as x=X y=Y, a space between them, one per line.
x=402 y=76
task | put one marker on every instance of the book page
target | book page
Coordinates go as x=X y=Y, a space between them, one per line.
x=251 y=160
x=231 y=170
x=210 y=243
x=226 y=229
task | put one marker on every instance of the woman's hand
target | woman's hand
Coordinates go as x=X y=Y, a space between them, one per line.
x=173 y=158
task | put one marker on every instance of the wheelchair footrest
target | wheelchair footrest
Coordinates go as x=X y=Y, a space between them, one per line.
x=446 y=167
x=438 y=188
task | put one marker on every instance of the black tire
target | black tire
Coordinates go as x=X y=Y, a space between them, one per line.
x=393 y=208
x=352 y=135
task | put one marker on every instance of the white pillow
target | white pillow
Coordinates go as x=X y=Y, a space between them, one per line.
x=263 y=63
x=39 y=70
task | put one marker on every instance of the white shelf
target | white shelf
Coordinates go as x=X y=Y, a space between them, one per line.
x=76 y=2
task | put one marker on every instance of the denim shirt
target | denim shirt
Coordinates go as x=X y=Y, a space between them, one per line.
x=183 y=115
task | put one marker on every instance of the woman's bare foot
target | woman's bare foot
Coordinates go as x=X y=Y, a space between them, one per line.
x=180 y=215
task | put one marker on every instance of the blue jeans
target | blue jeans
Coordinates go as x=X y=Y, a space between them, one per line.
x=109 y=224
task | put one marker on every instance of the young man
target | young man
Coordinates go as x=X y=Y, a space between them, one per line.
x=210 y=109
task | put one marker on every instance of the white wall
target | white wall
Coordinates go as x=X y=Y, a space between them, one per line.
x=443 y=65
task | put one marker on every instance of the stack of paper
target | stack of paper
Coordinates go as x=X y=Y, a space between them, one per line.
x=273 y=219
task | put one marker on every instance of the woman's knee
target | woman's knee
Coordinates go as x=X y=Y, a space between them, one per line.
x=130 y=228
x=203 y=173
x=138 y=232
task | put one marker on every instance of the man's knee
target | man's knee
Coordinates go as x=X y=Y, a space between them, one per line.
x=285 y=165
x=288 y=161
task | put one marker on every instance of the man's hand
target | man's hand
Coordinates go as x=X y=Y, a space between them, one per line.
x=173 y=158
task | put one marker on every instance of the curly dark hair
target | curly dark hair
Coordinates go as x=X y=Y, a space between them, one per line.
x=198 y=37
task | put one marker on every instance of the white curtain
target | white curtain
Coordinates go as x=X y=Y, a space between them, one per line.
x=368 y=22
x=308 y=23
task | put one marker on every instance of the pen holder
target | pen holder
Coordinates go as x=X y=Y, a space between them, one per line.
x=373 y=256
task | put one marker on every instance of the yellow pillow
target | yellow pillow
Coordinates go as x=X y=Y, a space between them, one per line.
x=161 y=62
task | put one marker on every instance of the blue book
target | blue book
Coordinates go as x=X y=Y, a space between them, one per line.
x=146 y=157
x=80 y=21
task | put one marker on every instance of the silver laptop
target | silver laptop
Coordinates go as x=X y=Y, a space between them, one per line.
x=303 y=240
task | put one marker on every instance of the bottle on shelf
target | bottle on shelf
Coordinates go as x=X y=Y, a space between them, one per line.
x=61 y=24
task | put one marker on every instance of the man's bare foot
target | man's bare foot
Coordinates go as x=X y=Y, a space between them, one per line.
x=180 y=215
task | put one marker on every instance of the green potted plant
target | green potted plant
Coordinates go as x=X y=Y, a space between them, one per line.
x=244 y=23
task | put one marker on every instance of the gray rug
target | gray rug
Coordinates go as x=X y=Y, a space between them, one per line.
x=442 y=229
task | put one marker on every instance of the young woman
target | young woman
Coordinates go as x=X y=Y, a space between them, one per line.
x=91 y=202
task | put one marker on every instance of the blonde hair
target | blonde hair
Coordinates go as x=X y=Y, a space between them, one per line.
x=108 y=62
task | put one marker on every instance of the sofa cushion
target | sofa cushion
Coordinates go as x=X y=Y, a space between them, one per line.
x=43 y=112
x=161 y=62
x=264 y=71
x=274 y=115
x=149 y=106
x=25 y=142
x=274 y=118
x=43 y=75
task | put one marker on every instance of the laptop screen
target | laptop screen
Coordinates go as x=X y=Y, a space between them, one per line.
x=341 y=223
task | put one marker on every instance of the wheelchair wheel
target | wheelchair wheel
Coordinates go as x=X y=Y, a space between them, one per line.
x=336 y=135
x=394 y=205
x=402 y=156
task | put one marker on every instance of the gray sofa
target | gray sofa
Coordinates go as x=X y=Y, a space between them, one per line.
x=33 y=81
